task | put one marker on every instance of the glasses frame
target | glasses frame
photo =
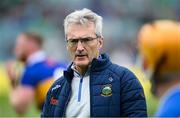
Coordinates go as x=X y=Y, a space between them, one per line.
x=84 y=41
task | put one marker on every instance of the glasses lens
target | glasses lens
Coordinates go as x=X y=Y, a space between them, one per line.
x=84 y=41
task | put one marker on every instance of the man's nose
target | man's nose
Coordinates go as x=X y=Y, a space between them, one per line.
x=80 y=46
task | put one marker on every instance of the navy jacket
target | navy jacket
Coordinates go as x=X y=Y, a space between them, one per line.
x=124 y=95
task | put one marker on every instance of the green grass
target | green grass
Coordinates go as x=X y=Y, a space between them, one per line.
x=152 y=105
x=5 y=107
x=7 y=111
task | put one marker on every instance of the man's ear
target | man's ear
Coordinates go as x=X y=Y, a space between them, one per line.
x=101 y=42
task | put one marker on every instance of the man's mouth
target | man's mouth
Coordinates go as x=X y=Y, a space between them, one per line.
x=81 y=55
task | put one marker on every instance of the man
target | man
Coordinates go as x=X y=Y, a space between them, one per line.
x=38 y=73
x=92 y=85
x=159 y=46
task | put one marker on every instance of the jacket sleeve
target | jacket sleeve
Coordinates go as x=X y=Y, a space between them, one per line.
x=45 y=112
x=48 y=108
x=133 y=103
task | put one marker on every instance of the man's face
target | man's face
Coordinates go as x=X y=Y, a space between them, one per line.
x=83 y=44
x=21 y=48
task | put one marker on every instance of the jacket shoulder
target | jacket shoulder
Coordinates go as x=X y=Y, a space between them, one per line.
x=57 y=83
x=122 y=72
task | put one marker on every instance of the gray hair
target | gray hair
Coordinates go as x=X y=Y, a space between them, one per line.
x=83 y=17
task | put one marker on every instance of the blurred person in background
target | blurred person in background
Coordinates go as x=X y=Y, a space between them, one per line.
x=92 y=86
x=159 y=47
x=38 y=75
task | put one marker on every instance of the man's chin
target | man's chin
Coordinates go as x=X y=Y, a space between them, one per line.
x=81 y=64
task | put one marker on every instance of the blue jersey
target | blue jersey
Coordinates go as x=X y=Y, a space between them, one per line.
x=40 y=76
x=170 y=105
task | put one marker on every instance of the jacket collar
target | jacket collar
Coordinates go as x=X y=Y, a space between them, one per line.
x=96 y=65
x=100 y=63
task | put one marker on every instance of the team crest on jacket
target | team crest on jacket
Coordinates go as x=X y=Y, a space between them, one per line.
x=106 y=90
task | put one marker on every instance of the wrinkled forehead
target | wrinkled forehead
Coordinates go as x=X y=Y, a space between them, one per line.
x=79 y=30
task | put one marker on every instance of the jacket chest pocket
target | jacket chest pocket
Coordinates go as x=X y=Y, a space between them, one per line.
x=107 y=92
x=105 y=100
x=102 y=95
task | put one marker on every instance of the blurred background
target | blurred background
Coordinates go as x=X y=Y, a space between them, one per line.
x=122 y=20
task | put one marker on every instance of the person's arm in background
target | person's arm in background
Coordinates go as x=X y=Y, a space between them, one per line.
x=133 y=103
x=14 y=72
x=21 y=95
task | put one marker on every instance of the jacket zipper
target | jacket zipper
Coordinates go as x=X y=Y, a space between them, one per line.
x=90 y=91
x=80 y=89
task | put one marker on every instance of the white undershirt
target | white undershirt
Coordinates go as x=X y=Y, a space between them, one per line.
x=79 y=104
x=36 y=57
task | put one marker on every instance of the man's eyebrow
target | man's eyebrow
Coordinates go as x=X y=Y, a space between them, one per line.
x=85 y=36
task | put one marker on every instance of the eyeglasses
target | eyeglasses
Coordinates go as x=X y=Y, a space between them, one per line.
x=84 y=41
